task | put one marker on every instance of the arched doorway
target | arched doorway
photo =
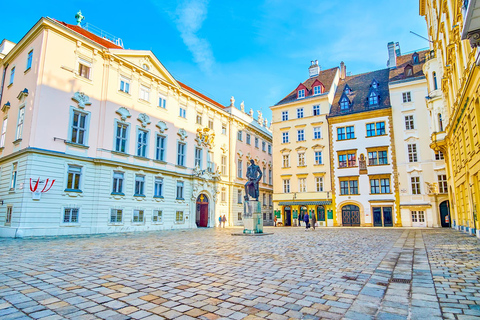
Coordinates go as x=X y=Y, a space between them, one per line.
x=202 y=211
x=445 y=214
x=350 y=216
x=287 y=214
x=321 y=213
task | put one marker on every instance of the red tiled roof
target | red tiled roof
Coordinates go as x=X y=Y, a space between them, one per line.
x=103 y=42
x=402 y=61
x=195 y=92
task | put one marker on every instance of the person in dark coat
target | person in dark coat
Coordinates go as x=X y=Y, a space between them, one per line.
x=314 y=220
x=306 y=219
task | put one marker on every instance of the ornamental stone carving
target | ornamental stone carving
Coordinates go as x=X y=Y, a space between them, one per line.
x=81 y=99
x=182 y=134
x=224 y=148
x=205 y=137
x=162 y=126
x=144 y=119
x=124 y=113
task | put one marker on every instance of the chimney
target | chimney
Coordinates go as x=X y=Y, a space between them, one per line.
x=343 y=70
x=314 y=69
x=392 y=57
x=397 y=50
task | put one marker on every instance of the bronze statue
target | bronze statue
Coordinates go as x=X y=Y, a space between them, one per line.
x=251 y=187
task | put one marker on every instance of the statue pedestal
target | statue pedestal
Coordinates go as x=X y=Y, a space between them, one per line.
x=252 y=217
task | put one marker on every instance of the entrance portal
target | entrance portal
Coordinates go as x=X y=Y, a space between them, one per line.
x=351 y=216
x=445 y=214
x=287 y=213
x=202 y=211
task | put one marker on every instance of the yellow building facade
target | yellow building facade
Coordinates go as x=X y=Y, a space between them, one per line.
x=454 y=34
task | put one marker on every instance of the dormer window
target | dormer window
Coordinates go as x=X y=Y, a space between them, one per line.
x=317 y=90
x=408 y=70
x=301 y=93
x=415 y=58
x=347 y=89
x=374 y=84
x=373 y=99
x=344 y=103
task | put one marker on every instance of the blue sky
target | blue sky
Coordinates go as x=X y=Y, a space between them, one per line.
x=257 y=51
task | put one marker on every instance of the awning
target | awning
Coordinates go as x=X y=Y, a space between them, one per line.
x=415 y=204
x=305 y=203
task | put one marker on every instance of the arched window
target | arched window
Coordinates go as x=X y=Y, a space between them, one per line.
x=440 y=122
x=434 y=76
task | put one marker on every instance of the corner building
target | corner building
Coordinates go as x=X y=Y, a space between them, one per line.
x=96 y=139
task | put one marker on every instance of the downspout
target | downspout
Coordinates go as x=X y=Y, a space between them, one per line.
x=3 y=83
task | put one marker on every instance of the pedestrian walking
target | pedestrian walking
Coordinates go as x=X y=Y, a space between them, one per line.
x=299 y=220
x=224 y=219
x=307 y=221
x=220 y=221
x=314 y=220
x=275 y=221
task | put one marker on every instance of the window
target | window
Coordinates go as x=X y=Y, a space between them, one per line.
x=139 y=185
x=13 y=178
x=317 y=132
x=160 y=148
x=199 y=118
x=316 y=110
x=284 y=115
x=380 y=128
x=198 y=157
x=224 y=128
x=442 y=183
x=125 y=84
x=375 y=129
x=264 y=203
x=269 y=148
x=239 y=196
x=340 y=133
x=344 y=103
x=144 y=93
x=286 y=161
x=116 y=215
x=157 y=216
x=210 y=163
x=377 y=157
x=264 y=175
x=138 y=216
x=121 y=137
x=21 y=119
x=319 y=184
x=379 y=185
x=409 y=125
x=318 y=157
x=182 y=112
x=301 y=93
x=180 y=190
x=84 y=69
x=301 y=159
x=248 y=138
x=301 y=135
x=239 y=216
x=374 y=84
x=415 y=185
x=302 y=185
x=351 y=132
x=142 y=138
x=347 y=159
x=181 y=154
x=79 y=127
x=317 y=89
x=373 y=99
x=264 y=146
x=418 y=216
x=8 y=217
x=210 y=124
x=256 y=142
x=286 y=185
x=4 y=133
x=158 y=189
x=371 y=129
x=407 y=97
x=162 y=102
x=179 y=216
x=285 y=137
x=349 y=186
x=412 y=152
x=240 y=135
x=223 y=168
x=70 y=215
x=12 y=76
x=239 y=168
x=29 y=60
x=439 y=155
x=117 y=187
x=434 y=76
x=300 y=113
x=269 y=176
x=408 y=70
x=415 y=58
x=270 y=201
x=440 y=122
x=74 y=174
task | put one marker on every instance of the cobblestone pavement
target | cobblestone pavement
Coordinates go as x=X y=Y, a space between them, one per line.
x=334 y=273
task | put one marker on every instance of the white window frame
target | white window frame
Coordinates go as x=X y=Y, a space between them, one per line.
x=138 y=216
x=182 y=112
x=409 y=122
x=71 y=215
x=301 y=159
x=318 y=157
x=114 y=216
x=76 y=172
x=157 y=216
x=412 y=152
x=158 y=187
x=160 y=147
x=319 y=184
x=301 y=93
x=139 y=185
x=144 y=93
x=406 y=97
x=316 y=110
x=286 y=185
x=180 y=190
x=223 y=168
x=198 y=157
x=13 y=177
x=12 y=75
x=79 y=129
x=239 y=168
x=299 y=113
x=162 y=101
x=181 y=153
x=119 y=139
x=4 y=132
x=87 y=65
x=317 y=132
x=300 y=135
x=302 y=184
x=286 y=161
x=317 y=90
x=118 y=182
x=285 y=137
x=142 y=143
x=124 y=84
x=29 y=60
x=284 y=115
x=20 y=122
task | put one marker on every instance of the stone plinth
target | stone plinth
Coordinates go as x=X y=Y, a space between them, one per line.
x=252 y=217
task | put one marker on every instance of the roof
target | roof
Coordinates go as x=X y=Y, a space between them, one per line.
x=198 y=94
x=360 y=88
x=326 y=77
x=87 y=34
x=402 y=61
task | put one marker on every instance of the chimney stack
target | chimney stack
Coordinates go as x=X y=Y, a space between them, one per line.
x=392 y=56
x=397 y=49
x=343 y=70
x=314 y=69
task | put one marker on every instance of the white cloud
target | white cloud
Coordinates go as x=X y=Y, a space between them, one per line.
x=189 y=17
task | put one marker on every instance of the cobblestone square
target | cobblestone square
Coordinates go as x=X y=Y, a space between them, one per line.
x=335 y=273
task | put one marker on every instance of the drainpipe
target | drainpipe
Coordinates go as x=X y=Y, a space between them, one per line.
x=3 y=83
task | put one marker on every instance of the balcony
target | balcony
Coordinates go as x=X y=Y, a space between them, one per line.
x=438 y=140
x=471 y=22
